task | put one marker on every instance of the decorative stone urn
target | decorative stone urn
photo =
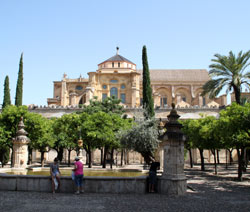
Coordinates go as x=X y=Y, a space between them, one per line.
x=173 y=180
x=20 y=147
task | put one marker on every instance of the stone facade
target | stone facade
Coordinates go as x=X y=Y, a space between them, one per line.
x=117 y=76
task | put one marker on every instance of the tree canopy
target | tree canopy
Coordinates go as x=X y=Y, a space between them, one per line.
x=148 y=102
x=228 y=72
x=108 y=105
x=19 y=85
x=234 y=122
x=142 y=137
x=6 y=97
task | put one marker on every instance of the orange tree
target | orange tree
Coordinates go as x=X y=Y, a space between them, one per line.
x=234 y=127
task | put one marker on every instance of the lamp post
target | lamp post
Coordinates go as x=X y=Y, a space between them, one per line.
x=80 y=145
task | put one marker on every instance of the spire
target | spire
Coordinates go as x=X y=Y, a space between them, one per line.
x=80 y=78
x=21 y=133
x=117 y=50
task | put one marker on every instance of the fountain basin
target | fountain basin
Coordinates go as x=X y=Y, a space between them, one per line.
x=87 y=172
x=118 y=183
x=136 y=185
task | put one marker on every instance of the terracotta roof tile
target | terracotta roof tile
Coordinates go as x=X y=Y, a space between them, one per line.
x=180 y=75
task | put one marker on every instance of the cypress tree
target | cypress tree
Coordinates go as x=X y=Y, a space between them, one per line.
x=19 y=86
x=6 y=98
x=148 y=102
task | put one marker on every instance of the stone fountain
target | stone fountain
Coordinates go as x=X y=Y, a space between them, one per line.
x=173 y=180
x=20 y=147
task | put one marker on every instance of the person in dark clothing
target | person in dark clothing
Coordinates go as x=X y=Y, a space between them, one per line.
x=153 y=175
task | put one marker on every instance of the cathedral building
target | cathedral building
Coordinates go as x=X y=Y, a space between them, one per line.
x=119 y=77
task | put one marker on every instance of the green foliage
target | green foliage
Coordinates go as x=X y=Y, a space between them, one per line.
x=189 y=144
x=94 y=126
x=66 y=131
x=148 y=102
x=234 y=124
x=231 y=130
x=230 y=72
x=244 y=100
x=191 y=129
x=142 y=137
x=210 y=133
x=19 y=86
x=202 y=133
x=39 y=131
x=4 y=148
x=10 y=118
x=100 y=129
x=109 y=105
x=97 y=129
x=6 y=98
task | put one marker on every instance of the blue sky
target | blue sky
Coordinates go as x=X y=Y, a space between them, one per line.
x=58 y=36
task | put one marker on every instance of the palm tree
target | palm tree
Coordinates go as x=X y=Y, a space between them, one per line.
x=228 y=71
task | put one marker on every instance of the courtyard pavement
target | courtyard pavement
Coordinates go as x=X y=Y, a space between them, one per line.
x=206 y=193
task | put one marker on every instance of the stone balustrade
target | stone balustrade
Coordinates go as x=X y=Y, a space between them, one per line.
x=77 y=107
x=190 y=111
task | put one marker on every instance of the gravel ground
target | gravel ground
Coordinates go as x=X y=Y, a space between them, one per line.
x=207 y=193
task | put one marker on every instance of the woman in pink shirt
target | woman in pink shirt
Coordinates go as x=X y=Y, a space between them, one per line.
x=78 y=170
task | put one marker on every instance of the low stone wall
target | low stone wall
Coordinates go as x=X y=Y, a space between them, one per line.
x=135 y=185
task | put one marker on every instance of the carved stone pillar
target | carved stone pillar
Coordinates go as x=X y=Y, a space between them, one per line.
x=73 y=99
x=64 y=91
x=173 y=180
x=135 y=89
x=20 y=147
x=89 y=94
x=200 y=100
x=178 y=97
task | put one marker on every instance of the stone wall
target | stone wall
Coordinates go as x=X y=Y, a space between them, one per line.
x=112 y=185
x=135 y=185
x=187 y=112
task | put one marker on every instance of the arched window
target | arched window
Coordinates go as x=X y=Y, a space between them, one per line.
x=123 y=86
x=123 y=98
x=114 y=92
x=164 y=101
x=204 y=101
x=82 y=100
x=104 y=96
x=114 y=81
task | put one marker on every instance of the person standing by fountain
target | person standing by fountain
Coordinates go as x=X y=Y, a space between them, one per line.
x=153 y=175
x=78 y=171
x=55 y=175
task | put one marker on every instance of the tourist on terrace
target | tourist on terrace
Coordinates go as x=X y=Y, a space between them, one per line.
x=78 y=172
x=55 y=175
